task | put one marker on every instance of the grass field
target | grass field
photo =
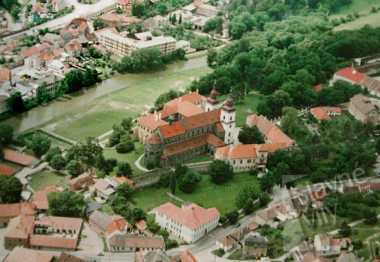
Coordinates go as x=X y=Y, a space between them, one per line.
x=371 y=19
x=358 y=6
x=129 y=157
x=207 y=194
x=139 y=94
x=46 y=178
x=246 y=107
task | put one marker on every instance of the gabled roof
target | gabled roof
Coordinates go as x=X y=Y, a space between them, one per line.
x=40 y=198
x=187 y=256
x=151 y=121
x=6 y=170
x=351 y=74
x=20 y=227
x=16 y=209
x=28 y=255
x=171 y=130
x=325 y=112
x=18 y=158
x=191 y=216
x=49 y=241
x=239 y=151
x=136 y=241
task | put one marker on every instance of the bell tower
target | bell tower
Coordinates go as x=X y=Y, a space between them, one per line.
x=228 y=120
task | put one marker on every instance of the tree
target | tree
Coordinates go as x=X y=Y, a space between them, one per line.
x=124 y=190
x=125 y=146
x=15 y=103
x=370 y=216
x=127 y=123
x=39 y=144
x=173 y=183
x=66 y=204
x=99 y=24
x=58 y=162
x=52 y=152
x=74 y=168
x=106 y=165
x=214 y=24
x=248 y=198
x=345 y=230
x=124 y=169
x=188 y=182
x=250 y=135
x=86 y=153
x=6 y=134
x=220 y=172
x=233 y=217
x=10 y=189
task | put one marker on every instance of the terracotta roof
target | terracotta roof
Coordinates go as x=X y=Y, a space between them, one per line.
x=47 y=241
x=124 y=2
x=200 y=120
x=136 y=241
x=239 y=151
x=5 y=74
x=174 y=149
x=118 y=223
x=325 y=112
x=191 y=216
x=184 y=108
x=73 y=46
x=220 y=128
x=34 y=50
x=214 y=140
x=16 y=209
x=271 y=148
x=171 y=130
x=187 y=256
x=18 y=158
x=269 y=130
x=123 y=179
x=20 y=227
x=141 y=225
x=28 y=255
x=351 y=74
x=79 y=181
x=67 y=223
x=193 y=97
x=6 y=170
x=64 y=257
x=40 y=198
x=151 y=121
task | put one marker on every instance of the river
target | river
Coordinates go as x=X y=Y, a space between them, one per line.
x=40 y=115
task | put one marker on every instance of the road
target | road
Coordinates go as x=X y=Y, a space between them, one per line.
x=80 y=10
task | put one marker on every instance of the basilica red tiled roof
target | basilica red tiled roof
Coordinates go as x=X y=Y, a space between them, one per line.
x=171 y=130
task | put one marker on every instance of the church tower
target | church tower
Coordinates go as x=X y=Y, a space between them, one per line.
x=228 y=118
x=212 y=102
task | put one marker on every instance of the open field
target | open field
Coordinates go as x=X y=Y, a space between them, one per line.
x=371 y=19
x=359 y=6
x=246 y=107
x=207 y=194
x=46 y=178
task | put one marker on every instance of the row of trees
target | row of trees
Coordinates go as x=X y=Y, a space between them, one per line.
x=149 y=59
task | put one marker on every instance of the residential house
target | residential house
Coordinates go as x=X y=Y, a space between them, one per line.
x=189 y=222
x=125 y=5
x=325 y=245
x=141 y=226
x=106 y=225
x=255 y=246
x=227 y=243
x=73 y=47
x=323 y=113
x=105 y=187
x=28 y=255
x=365 y=109
x=6 y=170
x=9 y=211
x=77 y=29
x=18 y=231
x=40 y=198
x=82 y=181
x=132 y=243
x=19 y=158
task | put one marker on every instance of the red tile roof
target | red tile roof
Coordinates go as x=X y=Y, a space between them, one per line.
x=67 y=223
x=40 y=198
x=214 y=140
x=153 y=139
x=5 y=74
x=47 y=241
x=6 y=170
x=171 y=130
x=34 y=50
x=141 y=225
x=200 y=120
x=191 y=216
x=28 y=255
x=269 y=130
x=237 y=152
x=151 y=122
x=118 y=224
x=325 y=112
x=351 y=74
x=178 y=148
x=16 y=209
x=187 y=256
x=18 y=158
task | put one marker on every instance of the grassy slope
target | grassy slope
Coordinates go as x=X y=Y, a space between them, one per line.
x=207 y=194
x=46 y=178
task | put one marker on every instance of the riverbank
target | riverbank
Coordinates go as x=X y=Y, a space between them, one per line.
x=96 y=110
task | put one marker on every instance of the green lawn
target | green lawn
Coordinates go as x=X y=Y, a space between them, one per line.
x=207 y=194
x=129 y=157
x=358 y=6
x=46 y=178
x=247 y=107
x=371 y=19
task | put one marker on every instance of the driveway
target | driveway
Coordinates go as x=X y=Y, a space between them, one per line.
x=90 y=241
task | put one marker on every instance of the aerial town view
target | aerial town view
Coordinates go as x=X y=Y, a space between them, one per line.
x=189 y=130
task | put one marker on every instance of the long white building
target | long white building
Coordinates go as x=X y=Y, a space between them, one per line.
x=189 y=222
x=122 y=45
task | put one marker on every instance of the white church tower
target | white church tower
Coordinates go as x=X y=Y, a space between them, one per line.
x=228 y=120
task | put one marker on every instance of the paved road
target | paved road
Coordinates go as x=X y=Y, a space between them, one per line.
x=80 y=10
